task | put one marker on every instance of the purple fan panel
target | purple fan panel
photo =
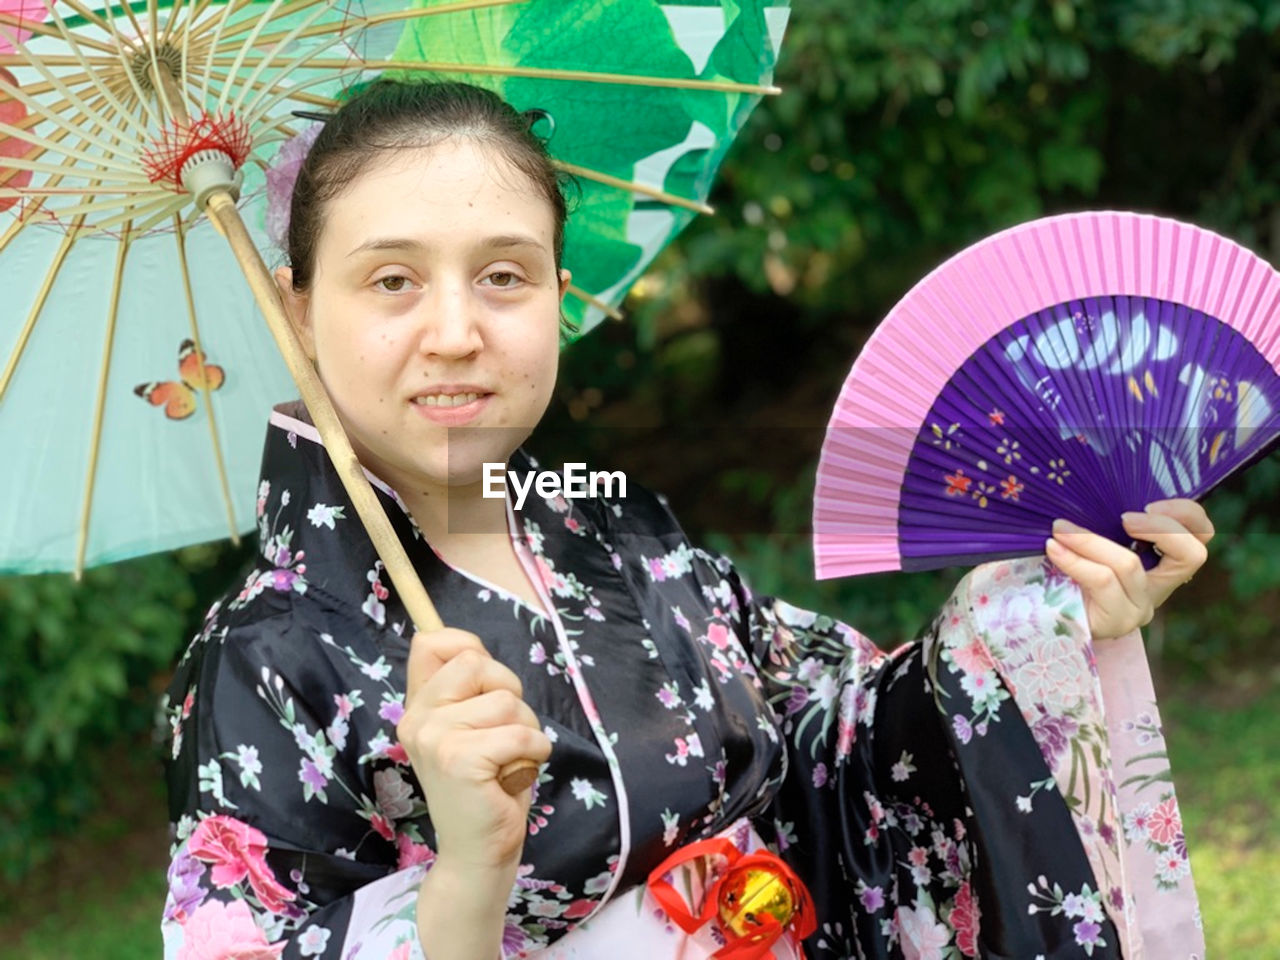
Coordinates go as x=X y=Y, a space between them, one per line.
x=1083 y=411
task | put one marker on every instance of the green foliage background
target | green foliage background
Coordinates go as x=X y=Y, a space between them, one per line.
x=907 y=130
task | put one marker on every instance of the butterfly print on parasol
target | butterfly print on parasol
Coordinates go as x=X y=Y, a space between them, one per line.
x=178 y=397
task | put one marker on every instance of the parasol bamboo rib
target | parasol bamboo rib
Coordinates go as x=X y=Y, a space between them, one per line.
x=8 y=173
x=33 y=315
x=92 y=17
x=612 y=312
x=133 y=20
x=180 y=237
x=287 y=66
x=192 y=11
x=78 y=58
x=28 y=213
x=153 y=20
x=363 y=23
x=536 y=73
x=100 y=407
x=218 y=22
x=258 y=24
x=240 y=26
x=56 y=59
x=44 y=30
x=21 y=57
x=221 y=210
x=634 y=187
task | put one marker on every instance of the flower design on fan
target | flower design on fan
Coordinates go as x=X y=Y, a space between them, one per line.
x=1010 y=487
x=958 y=484
x=996 y=417
x=1009 y=449
x=943 y=438
x=983 y=491
x=1058 y=472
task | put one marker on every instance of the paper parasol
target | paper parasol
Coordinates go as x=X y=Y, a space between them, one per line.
x=131 y=135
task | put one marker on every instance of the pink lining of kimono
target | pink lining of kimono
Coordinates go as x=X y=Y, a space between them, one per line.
x=308 y=432
x=524 y=555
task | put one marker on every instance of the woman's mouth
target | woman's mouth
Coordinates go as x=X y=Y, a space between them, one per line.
x=451 y=409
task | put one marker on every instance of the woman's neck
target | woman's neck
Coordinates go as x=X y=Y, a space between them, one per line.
x=450 y=517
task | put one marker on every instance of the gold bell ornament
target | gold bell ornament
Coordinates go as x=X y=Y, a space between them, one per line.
x=755 y=900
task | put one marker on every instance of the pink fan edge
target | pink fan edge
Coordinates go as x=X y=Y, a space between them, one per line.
x=1025 y=268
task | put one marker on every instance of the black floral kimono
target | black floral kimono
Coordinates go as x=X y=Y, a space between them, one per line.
x=930 y=811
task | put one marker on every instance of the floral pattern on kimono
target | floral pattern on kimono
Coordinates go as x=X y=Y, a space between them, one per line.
x=912 y=792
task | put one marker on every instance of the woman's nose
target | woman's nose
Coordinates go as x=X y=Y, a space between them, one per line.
x=450 y=324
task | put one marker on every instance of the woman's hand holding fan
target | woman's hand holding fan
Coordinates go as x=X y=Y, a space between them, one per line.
x=1120 y=594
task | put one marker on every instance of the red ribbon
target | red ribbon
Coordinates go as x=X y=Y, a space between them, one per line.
x=756 y=945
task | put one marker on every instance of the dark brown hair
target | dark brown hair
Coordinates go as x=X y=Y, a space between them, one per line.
x=391 y=115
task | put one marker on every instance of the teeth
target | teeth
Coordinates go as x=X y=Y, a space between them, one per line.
x=446 y=399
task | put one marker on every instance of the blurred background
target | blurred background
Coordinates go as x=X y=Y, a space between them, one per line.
x=908 y=129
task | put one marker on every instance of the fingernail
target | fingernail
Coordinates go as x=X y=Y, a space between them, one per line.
x=1065 y=526
x=1129 y=516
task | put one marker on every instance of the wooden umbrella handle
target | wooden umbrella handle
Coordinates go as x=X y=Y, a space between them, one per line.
x=516 y=776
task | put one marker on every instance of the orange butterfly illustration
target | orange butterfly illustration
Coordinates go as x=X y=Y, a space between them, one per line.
x=178 y=397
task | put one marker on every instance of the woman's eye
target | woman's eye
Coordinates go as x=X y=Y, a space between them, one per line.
x=503 y=278
x=392 y=284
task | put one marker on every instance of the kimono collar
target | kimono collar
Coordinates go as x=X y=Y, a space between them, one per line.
x=313 y=541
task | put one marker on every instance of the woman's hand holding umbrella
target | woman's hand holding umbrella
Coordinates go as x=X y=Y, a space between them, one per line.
x=464 y=722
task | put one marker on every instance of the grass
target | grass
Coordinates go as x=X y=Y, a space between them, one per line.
x=102 y=895
x=1225 y=751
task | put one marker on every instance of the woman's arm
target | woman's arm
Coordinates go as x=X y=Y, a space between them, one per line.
x=461 y=914
x=464 y=721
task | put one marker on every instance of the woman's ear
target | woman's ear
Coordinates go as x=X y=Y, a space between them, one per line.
x=297 y=309
x=565 y=277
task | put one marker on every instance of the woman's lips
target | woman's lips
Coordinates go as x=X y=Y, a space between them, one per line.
x=452 y=416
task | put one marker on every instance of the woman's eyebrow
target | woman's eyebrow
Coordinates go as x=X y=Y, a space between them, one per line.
x=389 y=243
x=505 y=241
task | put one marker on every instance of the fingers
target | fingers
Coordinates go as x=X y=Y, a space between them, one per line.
x=428 y=652
x=1181 y=548
x=1113 y=574
x=478 y=755
x=1188 y=513
x=493 y=709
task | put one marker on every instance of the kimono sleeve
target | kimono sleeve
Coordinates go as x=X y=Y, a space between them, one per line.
x=956 y=797
x=280 y=805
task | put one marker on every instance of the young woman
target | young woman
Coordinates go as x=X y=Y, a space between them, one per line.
x=333 y=777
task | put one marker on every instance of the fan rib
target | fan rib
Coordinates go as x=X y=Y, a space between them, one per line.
x=180 y=239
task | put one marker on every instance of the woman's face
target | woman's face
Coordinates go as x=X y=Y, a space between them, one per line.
x=434 y=312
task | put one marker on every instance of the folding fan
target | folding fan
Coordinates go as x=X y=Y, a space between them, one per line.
x=1076 y=366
